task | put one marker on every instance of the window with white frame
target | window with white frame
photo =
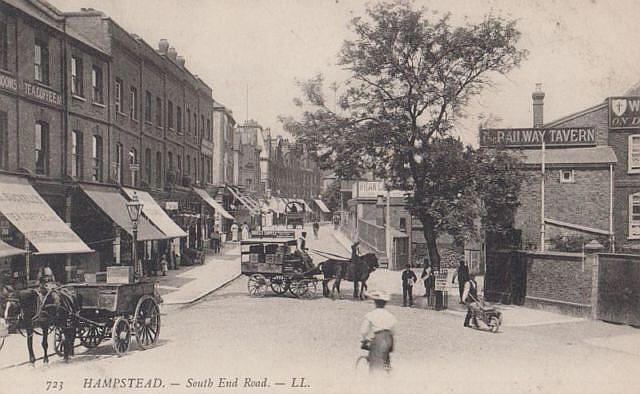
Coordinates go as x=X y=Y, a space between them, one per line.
x=118 y=95
x=567 y=176
x=133 y=100
x=634 y=154
x=96 y=81
x=634 y=216
x=76 y=76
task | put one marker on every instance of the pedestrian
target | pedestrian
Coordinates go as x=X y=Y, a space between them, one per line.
x=355 y=260
x=470 y=297
x=377 y=330
x=245 y=231
x=234 y=232
x=316 y=228
x=462 y=273
x=408 y=279
x=164 y=264
x=428 y=277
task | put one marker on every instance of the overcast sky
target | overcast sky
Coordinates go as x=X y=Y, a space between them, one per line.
x=582 y=51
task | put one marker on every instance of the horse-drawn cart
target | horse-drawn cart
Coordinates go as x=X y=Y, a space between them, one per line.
x=118 y=311
x=272 y=262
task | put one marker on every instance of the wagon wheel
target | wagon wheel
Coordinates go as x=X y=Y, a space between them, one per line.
x=300 y=288
x=146 y=322
x=91 y=335
x=58 y=344
x=279 y=284
x=121 y=336
x=257 y=285
x=312 y=289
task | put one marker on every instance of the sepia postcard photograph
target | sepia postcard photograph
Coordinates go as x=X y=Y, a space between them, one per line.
x=319 y=196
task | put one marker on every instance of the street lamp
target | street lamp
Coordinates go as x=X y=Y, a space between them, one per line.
x=134 y=207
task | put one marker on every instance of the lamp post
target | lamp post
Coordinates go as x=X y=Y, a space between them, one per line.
x=134 y=207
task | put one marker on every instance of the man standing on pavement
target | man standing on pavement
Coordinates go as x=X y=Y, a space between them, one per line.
x=408 y=279
x=462 y=273
x=470 y=297
x=355 y=259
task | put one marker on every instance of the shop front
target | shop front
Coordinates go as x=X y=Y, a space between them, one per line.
x=220 y=218
x=27 y=222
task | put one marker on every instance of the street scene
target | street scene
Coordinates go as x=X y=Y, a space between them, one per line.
x=332 y=196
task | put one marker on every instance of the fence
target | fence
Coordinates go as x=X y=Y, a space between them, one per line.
x=372 y=235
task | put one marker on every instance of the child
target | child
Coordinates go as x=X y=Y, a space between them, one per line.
x=164 y=264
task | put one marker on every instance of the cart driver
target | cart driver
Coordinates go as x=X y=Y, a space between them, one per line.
x=301 y=251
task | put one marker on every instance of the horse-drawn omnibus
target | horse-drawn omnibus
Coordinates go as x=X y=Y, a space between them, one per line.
x=294 y=214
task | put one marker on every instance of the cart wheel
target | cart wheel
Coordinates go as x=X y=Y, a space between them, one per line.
x=57 y=341
x=121 y=336
x=299 y=288
x=494 y=323
x=257 y=285
x=91 y=335
x=278 y=284
x=146 y=322
x=311 y=290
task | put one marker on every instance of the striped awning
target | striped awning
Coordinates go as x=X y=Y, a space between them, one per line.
x=155 y=213
x=21 y=204
x=213 y=203
x=322 y=206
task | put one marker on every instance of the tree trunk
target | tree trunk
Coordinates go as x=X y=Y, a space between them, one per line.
x=432 y=248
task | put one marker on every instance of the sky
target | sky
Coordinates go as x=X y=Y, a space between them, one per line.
x=252 y=52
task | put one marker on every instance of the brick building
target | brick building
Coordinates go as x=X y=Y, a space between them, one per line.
x=82 y=101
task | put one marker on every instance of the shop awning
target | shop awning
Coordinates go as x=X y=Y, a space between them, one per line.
x=7 y=250
x=322 y=206
x=236 y=193
x=213 y=203
x=306 y=206
x=21 y=204
x=156 y=214
x=114 y=205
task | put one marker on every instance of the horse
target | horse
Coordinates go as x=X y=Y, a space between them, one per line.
x=347 y=270
x=29 y=309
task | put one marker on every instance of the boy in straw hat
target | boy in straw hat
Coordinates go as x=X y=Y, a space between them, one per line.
x=377 y=331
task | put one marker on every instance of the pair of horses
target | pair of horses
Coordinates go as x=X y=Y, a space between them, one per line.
x=354 y=271
x=45 y=309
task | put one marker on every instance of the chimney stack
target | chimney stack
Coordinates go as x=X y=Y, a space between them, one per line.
x=181 y=61
x=172 y=53
x=538 y=104
x=163 y=45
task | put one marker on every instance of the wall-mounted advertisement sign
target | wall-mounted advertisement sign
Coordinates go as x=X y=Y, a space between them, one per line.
x=363 y=189
x=624 y=112
x=42 y=93
x=531 y=137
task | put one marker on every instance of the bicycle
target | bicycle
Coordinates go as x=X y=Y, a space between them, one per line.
x=360 y=361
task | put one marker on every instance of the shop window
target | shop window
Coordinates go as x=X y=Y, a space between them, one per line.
x=567 y=176
x=147 y=164
x=97 y=158
x=133 y=98
x=4 y=46
x=159 y=111
x=42 y=148
x=170 y=114
x=118 y=95
x=147 y=106
x=41 y=61
x=76 y=76
x=119 y=153
x=4 y=141
x=96 y=81
x=76 y=154
x=634 y=154
x=634 y=216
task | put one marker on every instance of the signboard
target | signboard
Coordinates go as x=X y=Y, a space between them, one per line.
x=441 y=280
x=624 y=112
x=171 y=206
x=41 y=93
x=362 y=189
x=531 y=137
x=8 y=83
x=134 y=166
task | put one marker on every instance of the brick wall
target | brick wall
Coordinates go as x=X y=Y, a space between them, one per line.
x=597 y=118
x=560 y=282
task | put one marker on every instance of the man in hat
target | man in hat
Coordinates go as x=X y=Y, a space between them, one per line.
x=470 y=297
x=462 y=273
x=301 y=251
x=355 y=259
x=377 y=332
x=408 y=279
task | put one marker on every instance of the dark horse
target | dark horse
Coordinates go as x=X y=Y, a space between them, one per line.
x=28 y=309
x=347 y=270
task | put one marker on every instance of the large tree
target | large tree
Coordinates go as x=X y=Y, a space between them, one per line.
x=411 y=74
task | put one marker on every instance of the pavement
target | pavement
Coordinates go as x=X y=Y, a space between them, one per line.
x=512 y=315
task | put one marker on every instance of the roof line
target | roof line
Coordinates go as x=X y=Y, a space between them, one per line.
x=576 y=114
